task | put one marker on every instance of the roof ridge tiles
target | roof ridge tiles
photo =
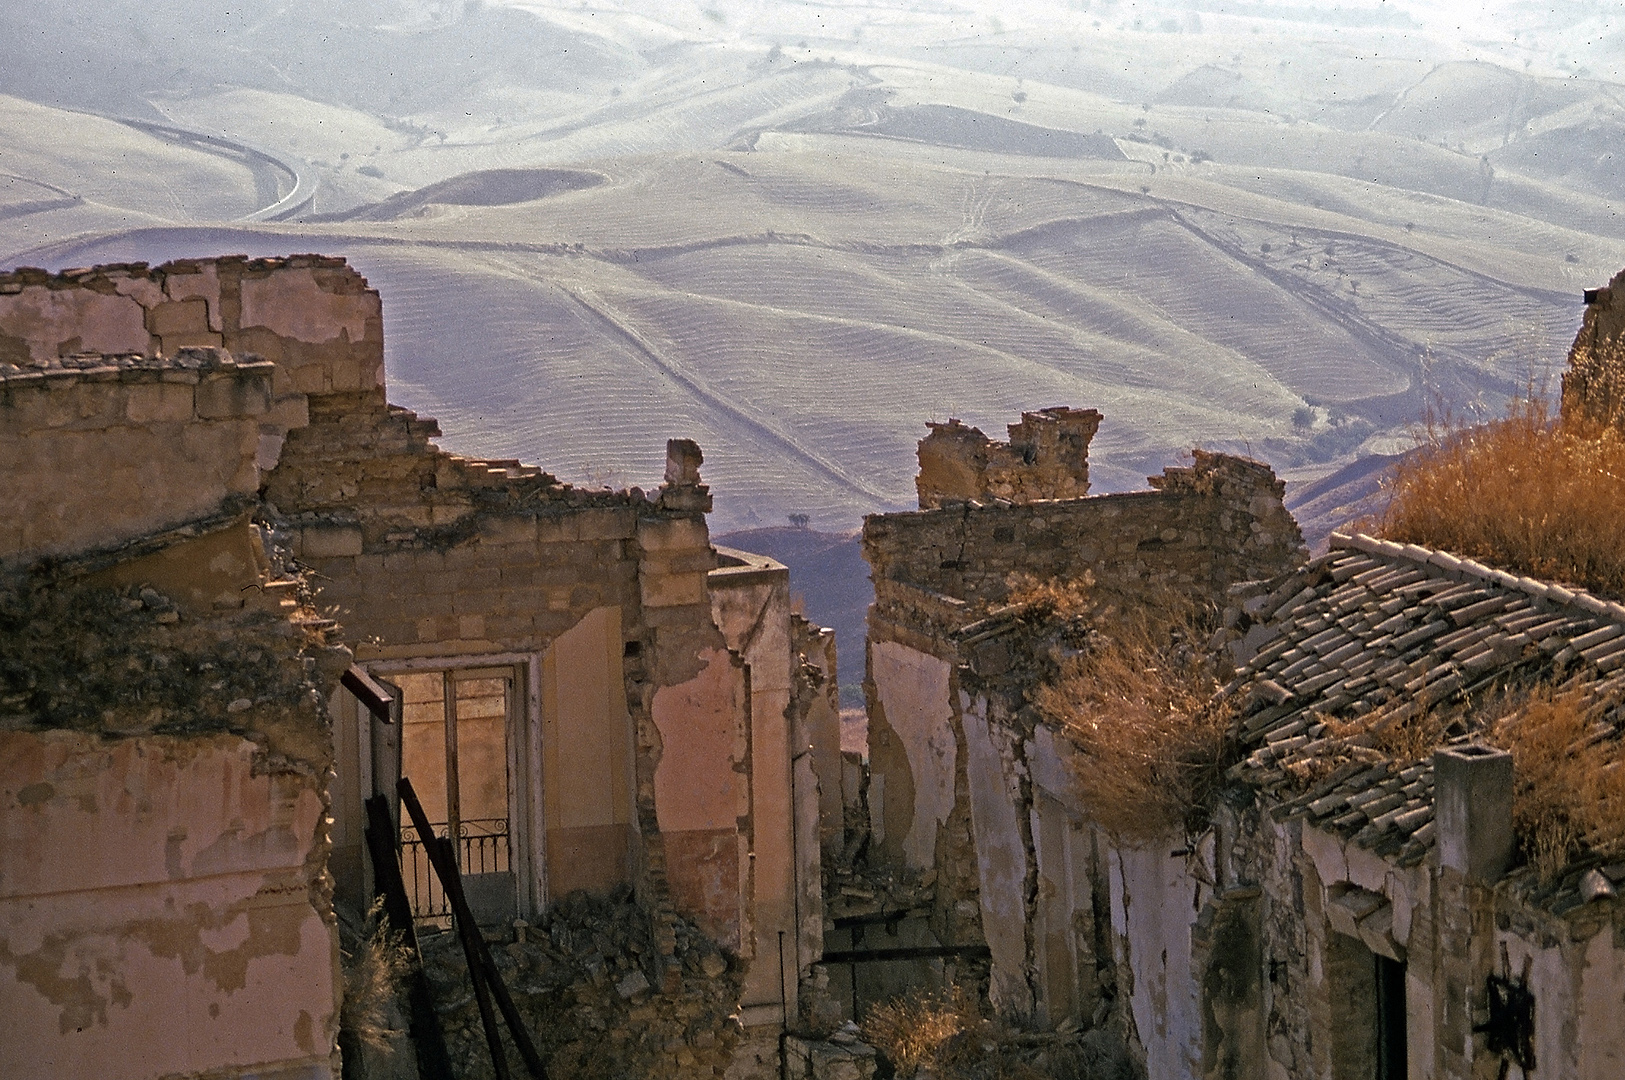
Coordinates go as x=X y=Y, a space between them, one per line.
x=1472 y=568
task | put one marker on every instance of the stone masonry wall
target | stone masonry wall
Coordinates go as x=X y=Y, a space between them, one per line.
x=312 y=316
x=116 y=447
x=1217 y=521
x=1047 y=457
x=1594 y=384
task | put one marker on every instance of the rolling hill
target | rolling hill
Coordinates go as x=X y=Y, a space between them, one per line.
x=796 y=233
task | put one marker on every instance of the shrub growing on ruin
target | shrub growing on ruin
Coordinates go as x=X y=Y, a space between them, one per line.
x=915 y=1030
x=1138 y=704
x=372 y=978
x=1525 y=492
x=1570 y=780
x=943 y=1034
x=1065 y=598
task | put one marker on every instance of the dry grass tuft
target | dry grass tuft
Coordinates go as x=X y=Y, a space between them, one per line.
x=1526 y=492
x=372 y=979
x=1400 y=740
x=943 y=1035
x=1065 y=599
x=916 y=1030
x=1570 y=795
x=1137 y=703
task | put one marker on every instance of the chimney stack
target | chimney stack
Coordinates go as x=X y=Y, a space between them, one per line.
x=1472 y=805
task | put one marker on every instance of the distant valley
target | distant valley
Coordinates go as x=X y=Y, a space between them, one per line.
x=797 y=233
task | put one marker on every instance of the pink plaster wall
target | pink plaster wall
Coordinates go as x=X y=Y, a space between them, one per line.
x=156 y=910
x=700 y=795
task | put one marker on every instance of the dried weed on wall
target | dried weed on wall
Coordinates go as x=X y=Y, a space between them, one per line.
x=1569 y=772
x=1138 y=703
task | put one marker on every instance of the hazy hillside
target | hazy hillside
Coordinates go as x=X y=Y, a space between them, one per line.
x=796 y=232
x=831 y=581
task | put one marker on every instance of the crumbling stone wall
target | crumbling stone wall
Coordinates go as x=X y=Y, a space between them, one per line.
x=1594 y=384
x=1047 y=457
x=164 y=747
x=818 y=714
x=164 y=903
x=598 y=601
x=428 y=555
x=103 y=449
x=1261 y=944
x=964 y=778
x=1216 y=521
x=312 y=316
x=819 y=812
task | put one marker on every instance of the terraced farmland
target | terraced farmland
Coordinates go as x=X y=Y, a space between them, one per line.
x=796 y=234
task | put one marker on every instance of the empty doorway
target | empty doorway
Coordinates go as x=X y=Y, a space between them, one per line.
x=1368 y=1012
x=458 y=735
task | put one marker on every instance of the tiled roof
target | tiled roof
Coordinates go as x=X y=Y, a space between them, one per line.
x=1385 y=631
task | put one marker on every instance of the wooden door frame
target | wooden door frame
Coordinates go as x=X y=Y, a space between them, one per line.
x=527 y=833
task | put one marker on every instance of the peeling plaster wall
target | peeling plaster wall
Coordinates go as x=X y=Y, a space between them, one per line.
x=156 y=910
x=1206 y=526
x=1071 y=962
x=1251 y=951
x=586 y=738
x=427 y=557
x=430 y=560
x=1002 y=859
x=817 y=783
x=911 y=740
x=1153 y=901
x=1579 y=989
x=702 y=795
x=1601 y=1007
x=750 y=603
x=821 y=733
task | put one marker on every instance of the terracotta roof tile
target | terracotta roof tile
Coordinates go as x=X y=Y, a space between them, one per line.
x=1385 y=630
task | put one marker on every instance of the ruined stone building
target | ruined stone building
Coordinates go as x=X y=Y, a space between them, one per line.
x=1594 y=385
x=1351 y=907
x=992 y=514
x=211 y=511
x=240 y=593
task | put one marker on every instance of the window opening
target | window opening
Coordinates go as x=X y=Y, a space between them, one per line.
x=460 y=771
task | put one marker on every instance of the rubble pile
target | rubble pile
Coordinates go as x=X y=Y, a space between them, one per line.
x=598 y=994
x=853 y=892
x=126 y=662
x=1068 y=1053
